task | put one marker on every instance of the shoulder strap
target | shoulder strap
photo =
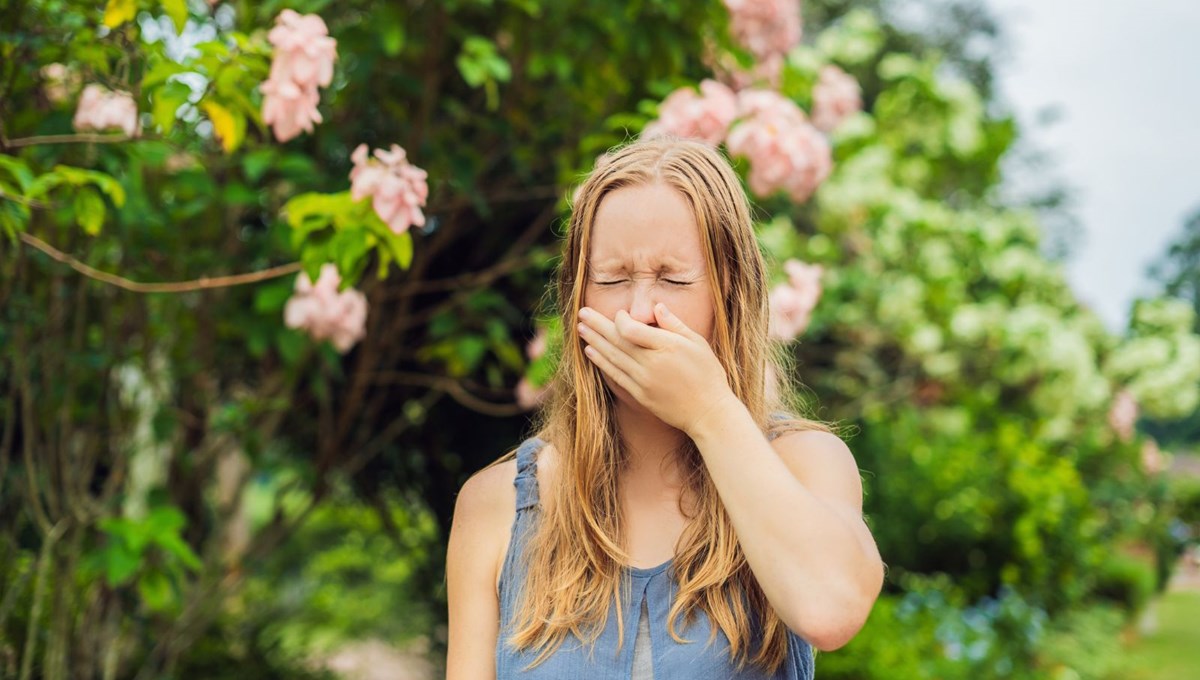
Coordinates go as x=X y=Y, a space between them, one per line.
x=526 y=479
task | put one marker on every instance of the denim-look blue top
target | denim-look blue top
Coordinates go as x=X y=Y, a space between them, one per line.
x=696 y=660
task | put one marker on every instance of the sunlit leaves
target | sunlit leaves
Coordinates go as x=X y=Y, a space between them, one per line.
x=480 y=64
x=117 y=12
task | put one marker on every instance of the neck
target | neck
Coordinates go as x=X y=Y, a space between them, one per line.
x=651 y=445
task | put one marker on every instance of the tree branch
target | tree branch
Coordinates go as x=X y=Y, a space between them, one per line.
x=203 y=283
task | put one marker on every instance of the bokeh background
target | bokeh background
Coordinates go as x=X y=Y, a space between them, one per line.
x=273 y=284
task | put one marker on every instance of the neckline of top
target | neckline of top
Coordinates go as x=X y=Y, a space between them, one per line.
x=645 y=572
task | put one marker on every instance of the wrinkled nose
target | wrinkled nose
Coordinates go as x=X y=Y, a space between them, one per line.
x=641 y=305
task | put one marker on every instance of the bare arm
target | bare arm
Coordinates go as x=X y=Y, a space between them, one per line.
x=483 y=514
x=796 y=506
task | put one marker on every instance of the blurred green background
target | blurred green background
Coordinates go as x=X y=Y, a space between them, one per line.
x=190 y=488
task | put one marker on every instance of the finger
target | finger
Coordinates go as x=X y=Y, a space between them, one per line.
x=614 y=354
x=618 y=376
x=666 y=319
x=637 y=333
x=599 y=324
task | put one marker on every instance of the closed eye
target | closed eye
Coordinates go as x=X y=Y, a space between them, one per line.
x=613 y=283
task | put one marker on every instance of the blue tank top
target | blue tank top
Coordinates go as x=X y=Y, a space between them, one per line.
x=653 y=587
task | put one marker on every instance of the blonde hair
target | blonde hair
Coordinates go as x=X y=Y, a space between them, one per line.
x=573 y=560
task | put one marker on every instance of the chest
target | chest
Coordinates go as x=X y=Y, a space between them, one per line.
x=652 y=530
x=612 y=656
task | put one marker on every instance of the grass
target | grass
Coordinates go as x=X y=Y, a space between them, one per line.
x=1172 y=652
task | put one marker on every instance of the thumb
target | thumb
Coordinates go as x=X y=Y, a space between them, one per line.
x=669 y=321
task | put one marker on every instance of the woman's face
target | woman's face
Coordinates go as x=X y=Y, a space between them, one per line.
x=645 y=249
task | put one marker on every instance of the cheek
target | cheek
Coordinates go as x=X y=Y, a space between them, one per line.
x=696 y=311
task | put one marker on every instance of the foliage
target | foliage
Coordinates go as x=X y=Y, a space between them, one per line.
x=175 y=461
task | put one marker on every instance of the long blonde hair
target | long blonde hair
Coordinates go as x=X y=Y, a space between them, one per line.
x=573 y=560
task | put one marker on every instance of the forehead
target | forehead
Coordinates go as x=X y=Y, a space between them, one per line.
x=645 y=225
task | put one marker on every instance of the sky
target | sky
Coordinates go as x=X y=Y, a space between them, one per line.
x=1125 y=78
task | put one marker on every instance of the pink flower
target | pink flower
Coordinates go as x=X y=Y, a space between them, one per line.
x=1153 y=460
x=765 y=27
x=288 y=108
x=785 y=151
x=530 y=397
x=537 y=346
x=59 y=82
x=792 y=303
x=705 y=115
x=1123 y=414
x=302 y=61
x=399 y=188
x=324 y=312
x=100 y=109
x=835 y=96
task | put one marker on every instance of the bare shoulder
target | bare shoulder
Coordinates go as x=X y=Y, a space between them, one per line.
x=483 y=514
x=487 y=491
x=484 y=509
x=823 y=463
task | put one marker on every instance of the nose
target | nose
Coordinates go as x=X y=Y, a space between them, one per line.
x=641 y=303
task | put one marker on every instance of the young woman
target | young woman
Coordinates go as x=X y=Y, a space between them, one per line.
x=670 y=518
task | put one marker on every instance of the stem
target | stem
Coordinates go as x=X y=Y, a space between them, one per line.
x=39 y=592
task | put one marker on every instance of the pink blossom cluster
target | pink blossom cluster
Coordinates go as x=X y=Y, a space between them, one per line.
x=704 y=115
x=398 y=189
x=765 y=27
x=325 y=313
x=768 y=29
x=785 y=151
x=528 y=395
x=1123 y=414
x=100 y=109
x=303 y=59
x=835 y=97
x=792 y=303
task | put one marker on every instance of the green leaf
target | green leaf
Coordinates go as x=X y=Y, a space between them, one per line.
x=291 y=344
x=120 y=564
x=401 y=248
x=177 y=10
x=165 y=102
x=393 y=38
x=79 y=177
x=348 y=247
x=19 y=171
x=165 y=520
x=270 y=297
x=155 y=590
x=311 y=212
x=174 y=546
x=256 y=163
x=89 y=210
x=160 y=72
x=470 y=350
